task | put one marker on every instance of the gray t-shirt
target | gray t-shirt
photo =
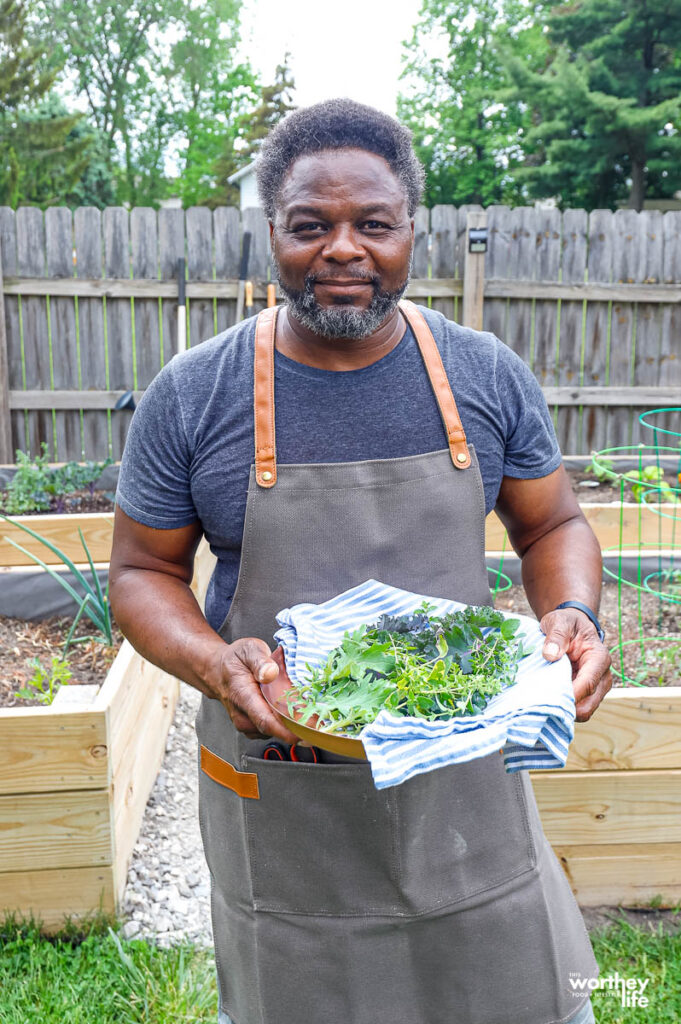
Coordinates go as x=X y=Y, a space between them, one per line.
x=190 y=445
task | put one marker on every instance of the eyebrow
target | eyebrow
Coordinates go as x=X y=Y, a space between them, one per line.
x=317 y=211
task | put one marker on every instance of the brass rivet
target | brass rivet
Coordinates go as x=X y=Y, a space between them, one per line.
x=461 y=457
x=267 y=475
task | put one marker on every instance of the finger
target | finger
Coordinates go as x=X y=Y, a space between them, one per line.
x=593 y=664
x=556 y=643
x=247 y=699
x=257 y=657
x=585 y=708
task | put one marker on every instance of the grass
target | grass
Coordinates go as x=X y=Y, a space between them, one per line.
x=100 y=978
x=641 y=953
x=97 y=977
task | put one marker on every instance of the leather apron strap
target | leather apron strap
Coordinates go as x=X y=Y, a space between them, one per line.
x=263 y=386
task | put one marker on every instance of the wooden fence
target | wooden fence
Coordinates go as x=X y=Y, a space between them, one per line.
x=592 y=302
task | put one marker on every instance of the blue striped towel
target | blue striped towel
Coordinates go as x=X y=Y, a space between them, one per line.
x=533 y=720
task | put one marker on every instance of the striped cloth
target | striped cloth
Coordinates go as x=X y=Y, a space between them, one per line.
x=533 y=720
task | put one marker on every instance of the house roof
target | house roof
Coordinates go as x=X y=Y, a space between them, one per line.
x=242 y=172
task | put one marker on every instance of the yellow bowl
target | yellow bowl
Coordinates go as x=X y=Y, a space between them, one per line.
x=274 y=695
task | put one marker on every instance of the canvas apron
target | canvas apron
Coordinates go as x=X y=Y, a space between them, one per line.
x=438 y=901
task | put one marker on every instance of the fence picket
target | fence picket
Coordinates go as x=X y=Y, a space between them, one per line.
x=199 y=228
x=144 y=244
x=647 y=354
x=572 y=319
x=670 y=350
x=497 y=260
x=443 y=226
x=59 y=239
x=171 y=249
x=227 y=236
x=35 y=331
x=629 y=256
x=87 y=227
x=259 y=260
x=598 y=316
x=118 y=321
x=8 y=250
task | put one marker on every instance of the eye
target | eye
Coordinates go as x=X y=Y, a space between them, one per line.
x=309 y=226
x=376 y=225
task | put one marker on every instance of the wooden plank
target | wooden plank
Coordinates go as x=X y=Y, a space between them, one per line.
x=520 y=329
x=629 y=261
x=227 y=238
x=8 y=258
x=44 y=749
x=55 y=830
x=144 y=242
x=499 y=256
x=138 y=747
x=634 y=727
x=118 y=321
x=597 y=327
x=670 y=355
x=580 y=808
x=6 y=450
x=170 y=250
x=628 y=874
x=647 y=363
x=31 y=262
x=87 y=228
x=62 y=531
x=653 y=530
x=473 y=274
x=634 y=396
x=443 y=228
x=254 y=220
x=57 y=894
x=546 y=263
x=199 y=228
x=59 y=241
x=420 y=256
x=572 y=322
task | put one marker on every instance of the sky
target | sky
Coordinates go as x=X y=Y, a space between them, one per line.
x=352 y=48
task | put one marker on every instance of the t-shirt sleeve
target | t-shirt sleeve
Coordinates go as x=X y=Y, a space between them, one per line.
x=531 y=445
x=154 y=479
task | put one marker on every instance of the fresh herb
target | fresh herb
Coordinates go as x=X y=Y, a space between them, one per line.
x=416 y=665
x=44 y=683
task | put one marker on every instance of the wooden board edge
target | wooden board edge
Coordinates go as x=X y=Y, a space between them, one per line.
x=54 y=895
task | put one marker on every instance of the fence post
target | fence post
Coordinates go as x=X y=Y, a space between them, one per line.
x=6 y=453
x=474 y=271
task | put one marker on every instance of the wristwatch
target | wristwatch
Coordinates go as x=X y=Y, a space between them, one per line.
x=589 y=614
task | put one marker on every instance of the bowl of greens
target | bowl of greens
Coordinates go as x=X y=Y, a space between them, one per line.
x=420 y=665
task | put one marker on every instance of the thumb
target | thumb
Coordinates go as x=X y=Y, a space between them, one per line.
x=555 y=645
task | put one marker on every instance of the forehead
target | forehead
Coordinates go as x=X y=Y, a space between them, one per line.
x=340 y=175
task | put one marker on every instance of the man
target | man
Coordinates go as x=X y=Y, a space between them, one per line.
x=433 y=902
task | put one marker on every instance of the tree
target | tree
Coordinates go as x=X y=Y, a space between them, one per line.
x=468 y=141
x=212 y=94
x=39 y=156
x=275 y=103
x=607 y=108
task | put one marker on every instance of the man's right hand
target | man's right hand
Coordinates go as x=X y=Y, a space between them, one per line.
x=242 y=665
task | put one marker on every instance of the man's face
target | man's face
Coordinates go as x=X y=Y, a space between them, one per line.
x=342 y=242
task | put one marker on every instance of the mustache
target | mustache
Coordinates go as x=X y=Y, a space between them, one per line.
x=312 y=279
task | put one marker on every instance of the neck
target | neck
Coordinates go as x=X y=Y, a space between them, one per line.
x=300 y=343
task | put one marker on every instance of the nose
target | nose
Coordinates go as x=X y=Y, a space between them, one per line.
x=342 y=245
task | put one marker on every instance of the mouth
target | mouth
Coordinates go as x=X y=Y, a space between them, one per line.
x=345 y=285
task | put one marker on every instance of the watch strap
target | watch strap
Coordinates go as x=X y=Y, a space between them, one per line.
x=589 y=614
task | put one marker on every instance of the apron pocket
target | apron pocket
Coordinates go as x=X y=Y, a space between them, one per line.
x=321 y=840
x=463 y=830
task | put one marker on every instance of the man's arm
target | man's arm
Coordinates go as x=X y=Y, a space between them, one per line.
x=561 y=561
x=151 y=599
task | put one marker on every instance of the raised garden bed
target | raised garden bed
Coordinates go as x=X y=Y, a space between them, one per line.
x=74 y=781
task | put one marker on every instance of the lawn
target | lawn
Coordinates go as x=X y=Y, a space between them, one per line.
x=100 y=977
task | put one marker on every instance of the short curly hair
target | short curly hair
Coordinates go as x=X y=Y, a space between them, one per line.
x=337 y=124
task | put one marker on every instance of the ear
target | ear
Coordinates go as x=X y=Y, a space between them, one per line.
x=271 y=227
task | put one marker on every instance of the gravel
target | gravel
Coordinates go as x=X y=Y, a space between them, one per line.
x=167 y=896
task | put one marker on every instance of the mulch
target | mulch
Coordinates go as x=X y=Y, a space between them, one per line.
x=22 y=641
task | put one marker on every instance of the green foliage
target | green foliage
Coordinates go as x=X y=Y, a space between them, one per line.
x=44 y=683
x=38 y=487
x=469 y=141
x=92 y=602
x=91 y=973
x=607 y=107
x=416 y=665
x=602 y=469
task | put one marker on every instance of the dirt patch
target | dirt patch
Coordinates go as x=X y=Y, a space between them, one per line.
x=654 y=661
x=77 y=502
x=21 y=642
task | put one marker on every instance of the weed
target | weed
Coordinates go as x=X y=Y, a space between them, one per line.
x=44 y=683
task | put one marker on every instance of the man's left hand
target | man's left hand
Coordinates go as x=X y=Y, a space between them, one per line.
x=569 y=631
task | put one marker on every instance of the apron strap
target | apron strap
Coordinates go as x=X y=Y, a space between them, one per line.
x=456 y=436
x=263 y=398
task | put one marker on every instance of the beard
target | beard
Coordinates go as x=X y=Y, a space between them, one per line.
x=342 y=320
